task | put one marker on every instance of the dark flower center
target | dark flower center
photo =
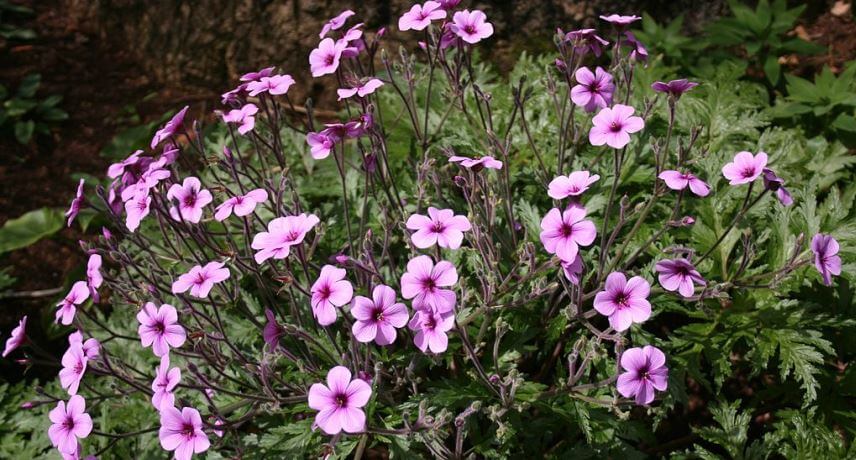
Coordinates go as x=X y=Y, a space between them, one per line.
x=200 y=278
x=78 y=367
x=188 y=430
x=378 y=314
x=438 y=227
x=330 y=58
x=470 y=29
x=567 y=230
x=615 y=127
x=429 y=323
x=429 y=284
x=749 y=171
x=190 y=200
x=68 y=423
x=341 y=400
x=324 y=292
x=159 y=327
x=622 y=300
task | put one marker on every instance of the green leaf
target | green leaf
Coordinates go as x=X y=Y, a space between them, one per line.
x=845 y=122
x=772 y=69
x=29 y=228
x=29 y=86
x=24 y=131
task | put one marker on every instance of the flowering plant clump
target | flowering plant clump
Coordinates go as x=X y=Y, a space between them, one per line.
x=460 y=266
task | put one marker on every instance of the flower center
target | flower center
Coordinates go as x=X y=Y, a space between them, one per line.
x=188 y=430
x=378 y=314
x=68 y=423
x=324 y=292
x=200 y=279
x=622 y=300
x=190 y=200
x=78 y=367
x=341 y=400
x=429 y=284
x=429 y=323
x=615 y=126
x=470 y=29
x=748 y=171
x=329 y=59
x=159 y=327
x=567 y=230
x=438 y=227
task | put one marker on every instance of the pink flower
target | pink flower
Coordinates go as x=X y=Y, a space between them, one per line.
x=646 y=371
x=245 y=117
x=325 y=59
x=165 y=381
x=272 y=331
x=200 y=280
x=594 y=90
x=73 y=367
x=155 y=172
x=75 y=205
x=242 y=205
x=17 y=337
x=476 y=164
x=336 y=23
x=677 y=180
x=679 y=275
x=573 y=270
x=253 y=76
x=424 y=280
x=127 y=165
x=420 y=16
x=282 y=234
x=339 y=402
x=91 y=347
x=170 y=128
x=274 y=85
x=362 y=90
x=619 y=20
x=69 y=422
x=93 y=273
x=378 y=317
x=586 y=40
x=674 y=88
x=68 y=306
x=159 y=328
x=613 y=126
x=182 y=432
x=624 y=301
x=441 y=227
x=136 y=209
x=826 y=259
x=472 y=27
x=637 y=49
x=329 y=291
x=431 y=327
x=745 y=168
x=573 y=184
x=562 y=233
x=320 y=144
x=191 y=199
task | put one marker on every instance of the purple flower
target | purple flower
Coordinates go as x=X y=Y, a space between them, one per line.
x=826 y=259
x=573 y=184
x=336 y=23
x=155 y=172
x=431 y=329
x=68 y=306
x=420 y=16
x=320 y=144
x=624 y=301
x=253 y=76
x=613 y=126
x=272 y=331
x=136 y=209
x=677 y=180
x=424 y=280
x=159 y=328
x=637 y=51
x=476 y=164
x=325 y=59
x=182 y=432
x=645 y=371
x=440 y=226
x=363 y=90
x=562 y=233
x=745 y=168
x=585 y=40
x=594 y=90
x=73 y=367
x=674 y=88
x=191 y=199
x=339 y=403
x=244 y=117
x=274 y=85
x=679 y=275
x=241 y=205
x=93 y=274
x=449 y=4
x=170 y=128
x=330 y=291
x=233 y=96
x=17 y=337
x=471 y=27
x=776 y=184
x=573 y=270
x=619 y=20
x=74 y=208
x=91 y=347
x=128 y=165
x=69 y=422
x=165 y=381
x=283 y=232
x=200 y=280
x=378 y=317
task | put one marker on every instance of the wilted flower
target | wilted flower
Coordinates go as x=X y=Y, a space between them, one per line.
x=330 y=291
x=776 y=184
x=613 y=126
x=471 y=27
x=679 y=275
x=677 y=180
x=573 y=184
x=563 y=232
x=244 y=117
x=282 y=234
x=182 y=432
x=362 y=90
x=431 y=327
x=476 y=164
x=593 y=90
x=69 y=422
x=424 y=280
x=420 y=16
x=274 y=85
x=638 y=52
x=339 y=403
x=170 y=128
x=191 y=199
x=826 y=259
x=378 y=317
x=336 y=23
x=440 y=226
x=75 y=205
x=17 y=337
x=325 y=59
x=159 y=328
x=200 y=280
x=745 y=168
x=645 y=372
x=272 y=331
x=68 y=306
x=624 y=301
x=165 y=381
